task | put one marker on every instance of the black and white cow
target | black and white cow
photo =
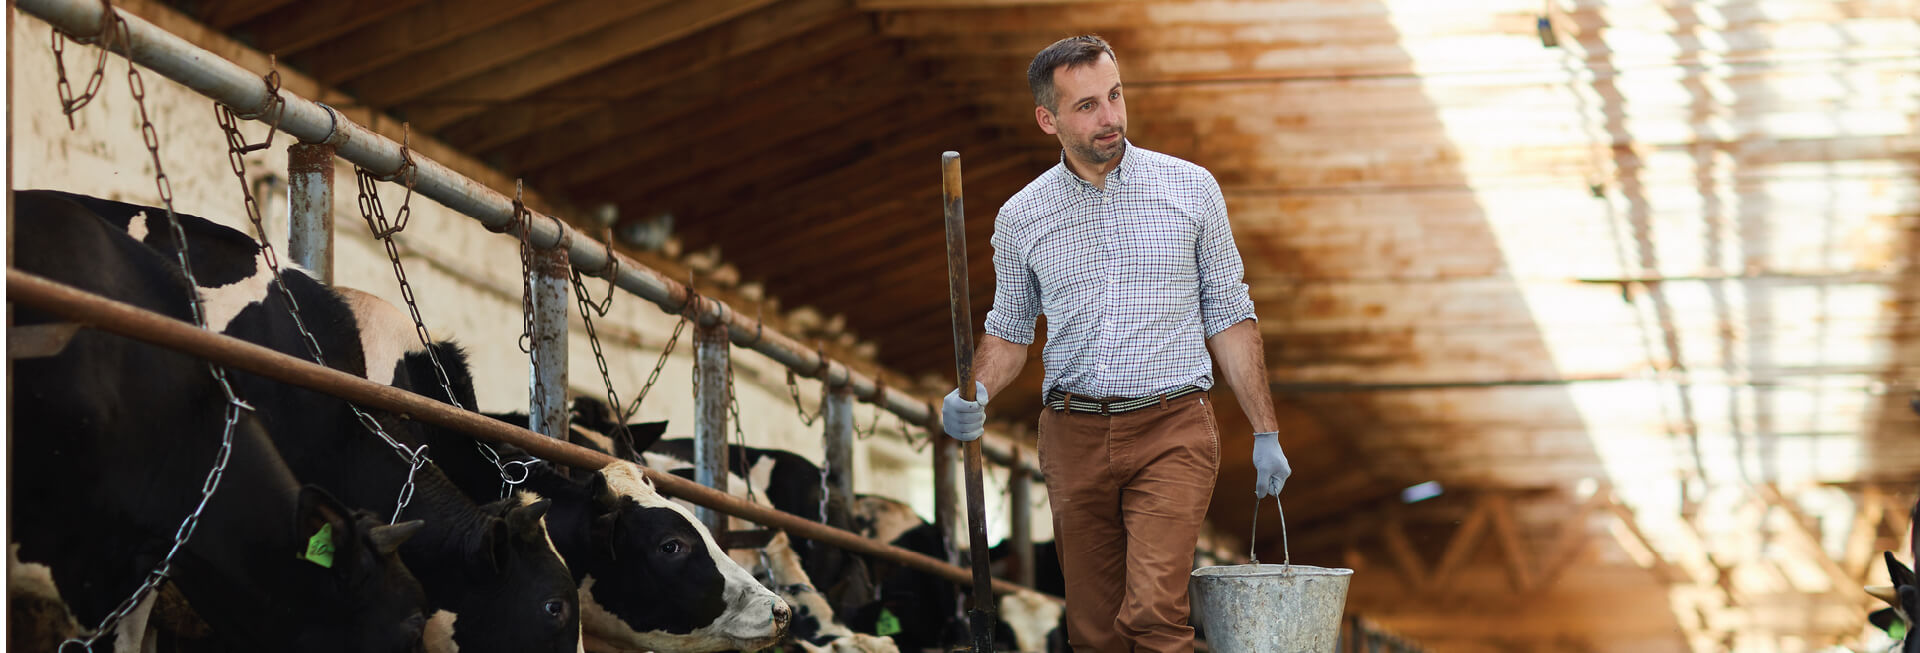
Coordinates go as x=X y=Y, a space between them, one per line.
x=490 y=573
x=626 y=545
x=111 y=441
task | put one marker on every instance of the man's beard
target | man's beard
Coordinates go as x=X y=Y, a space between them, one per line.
x=1092 y=153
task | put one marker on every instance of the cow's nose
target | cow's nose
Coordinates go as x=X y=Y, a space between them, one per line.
x=781 y=613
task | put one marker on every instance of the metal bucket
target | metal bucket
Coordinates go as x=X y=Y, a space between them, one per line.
x=1270 y=608
x=1256 y=608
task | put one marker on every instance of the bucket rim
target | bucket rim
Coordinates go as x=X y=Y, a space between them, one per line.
x=1265 y=570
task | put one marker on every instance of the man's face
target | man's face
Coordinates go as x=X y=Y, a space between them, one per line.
x=1089 y=116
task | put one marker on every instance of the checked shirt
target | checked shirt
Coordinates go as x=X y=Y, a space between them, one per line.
x=1132 y=279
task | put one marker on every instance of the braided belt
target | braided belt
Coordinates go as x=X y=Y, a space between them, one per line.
x=1067 y=402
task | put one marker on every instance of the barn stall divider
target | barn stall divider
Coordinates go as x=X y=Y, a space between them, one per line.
x=559 y=252
x=323 y=133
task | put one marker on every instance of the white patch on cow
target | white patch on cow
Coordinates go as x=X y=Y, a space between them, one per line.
x=603 y=442
x=131 y=636
x=223 y=303
x=747 y=623
x=386 y=334
x=438 y=635
x=32 y=582
x=1031 y=616
x=761 y=475
x=889 y=518
x=137 y=226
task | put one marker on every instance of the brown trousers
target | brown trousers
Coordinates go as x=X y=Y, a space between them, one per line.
x=1128 y=493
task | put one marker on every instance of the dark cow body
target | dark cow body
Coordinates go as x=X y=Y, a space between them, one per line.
x=488 y=567
x=652 y=575
x=113 y=439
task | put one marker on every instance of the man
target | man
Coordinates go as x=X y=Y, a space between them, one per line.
x=1129 y=255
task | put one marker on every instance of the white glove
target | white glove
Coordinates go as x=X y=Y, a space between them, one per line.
x=965 y=420
x=1270 y=468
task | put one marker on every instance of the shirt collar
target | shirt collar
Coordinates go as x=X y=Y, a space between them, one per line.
x=1115 y=177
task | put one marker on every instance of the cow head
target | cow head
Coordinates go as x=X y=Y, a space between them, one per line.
x=657 y=580
x=521 y=596
x=378 y=605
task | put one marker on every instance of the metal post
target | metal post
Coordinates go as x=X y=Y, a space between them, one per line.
x=839 y=444
x=946 y=495
x=310 y=208
x=547 y=407
x=1020 y=491
x=710 y=425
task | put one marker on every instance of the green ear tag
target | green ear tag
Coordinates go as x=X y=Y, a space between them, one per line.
x=320 y=547
x=1897 y=630
x=887 y=624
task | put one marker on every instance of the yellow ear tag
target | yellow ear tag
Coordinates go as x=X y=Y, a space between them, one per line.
x=320 y=547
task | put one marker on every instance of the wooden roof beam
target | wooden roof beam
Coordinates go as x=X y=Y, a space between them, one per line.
x=818 y=212
x=794 y=103
x=697 y=190
x=419 y=29
x=292 y=29
x=224 y=14
x=425 y=73
x=598 y=49
x=673 y=77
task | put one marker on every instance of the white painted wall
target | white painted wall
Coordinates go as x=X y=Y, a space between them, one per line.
x=467 y=279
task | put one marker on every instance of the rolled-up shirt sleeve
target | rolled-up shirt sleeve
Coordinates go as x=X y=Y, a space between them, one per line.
x=1224 y=300
x=1016 y=292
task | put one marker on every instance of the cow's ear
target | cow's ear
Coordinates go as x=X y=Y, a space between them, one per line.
x=1897 y=572
x=317 y=509
x=602 y=493
x=386 y=540
x=645 y=435
x=525 y=523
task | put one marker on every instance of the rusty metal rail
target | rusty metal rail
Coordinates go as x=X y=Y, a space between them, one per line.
x=107 y=315
x=311 y=122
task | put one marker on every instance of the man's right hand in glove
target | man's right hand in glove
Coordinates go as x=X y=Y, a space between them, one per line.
x=965 y=420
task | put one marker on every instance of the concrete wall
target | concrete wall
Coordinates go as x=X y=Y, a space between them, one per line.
x=467 y=280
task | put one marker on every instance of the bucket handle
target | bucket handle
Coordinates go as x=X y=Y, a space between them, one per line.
x=1253 y=537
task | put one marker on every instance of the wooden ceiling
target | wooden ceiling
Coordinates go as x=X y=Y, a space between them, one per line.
x=1672 y=257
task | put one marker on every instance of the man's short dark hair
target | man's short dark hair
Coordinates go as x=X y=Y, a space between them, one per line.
x=1070 y=52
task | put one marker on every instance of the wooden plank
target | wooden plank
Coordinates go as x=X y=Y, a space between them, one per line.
x=669 y=80
x=424 y=73
x=592 y=51
x=773 y=163
x=848 y=226
x=224 y=14
x=1858 y=557
x=1402 y=553
x=289 y=30
x=1519 y=564
x=826 y=149
x=1800 y=529
x=427 y=26
x=1572 y=541
x=1464 y=541
x=793 y=101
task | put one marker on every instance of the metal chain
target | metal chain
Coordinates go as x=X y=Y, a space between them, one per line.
x=236 y=147
x=587 y=310
x=114 y=26
x=524 y=218
x=793 y=390
x=659 y=365
x=69 y=104
x=374 y=214
x=739 y=434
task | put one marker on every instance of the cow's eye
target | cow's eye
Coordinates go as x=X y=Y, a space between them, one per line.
x=555 y=608
x=671 y=547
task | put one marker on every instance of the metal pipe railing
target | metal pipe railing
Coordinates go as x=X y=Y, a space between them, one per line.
x=245 y=92
x=111 y=316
